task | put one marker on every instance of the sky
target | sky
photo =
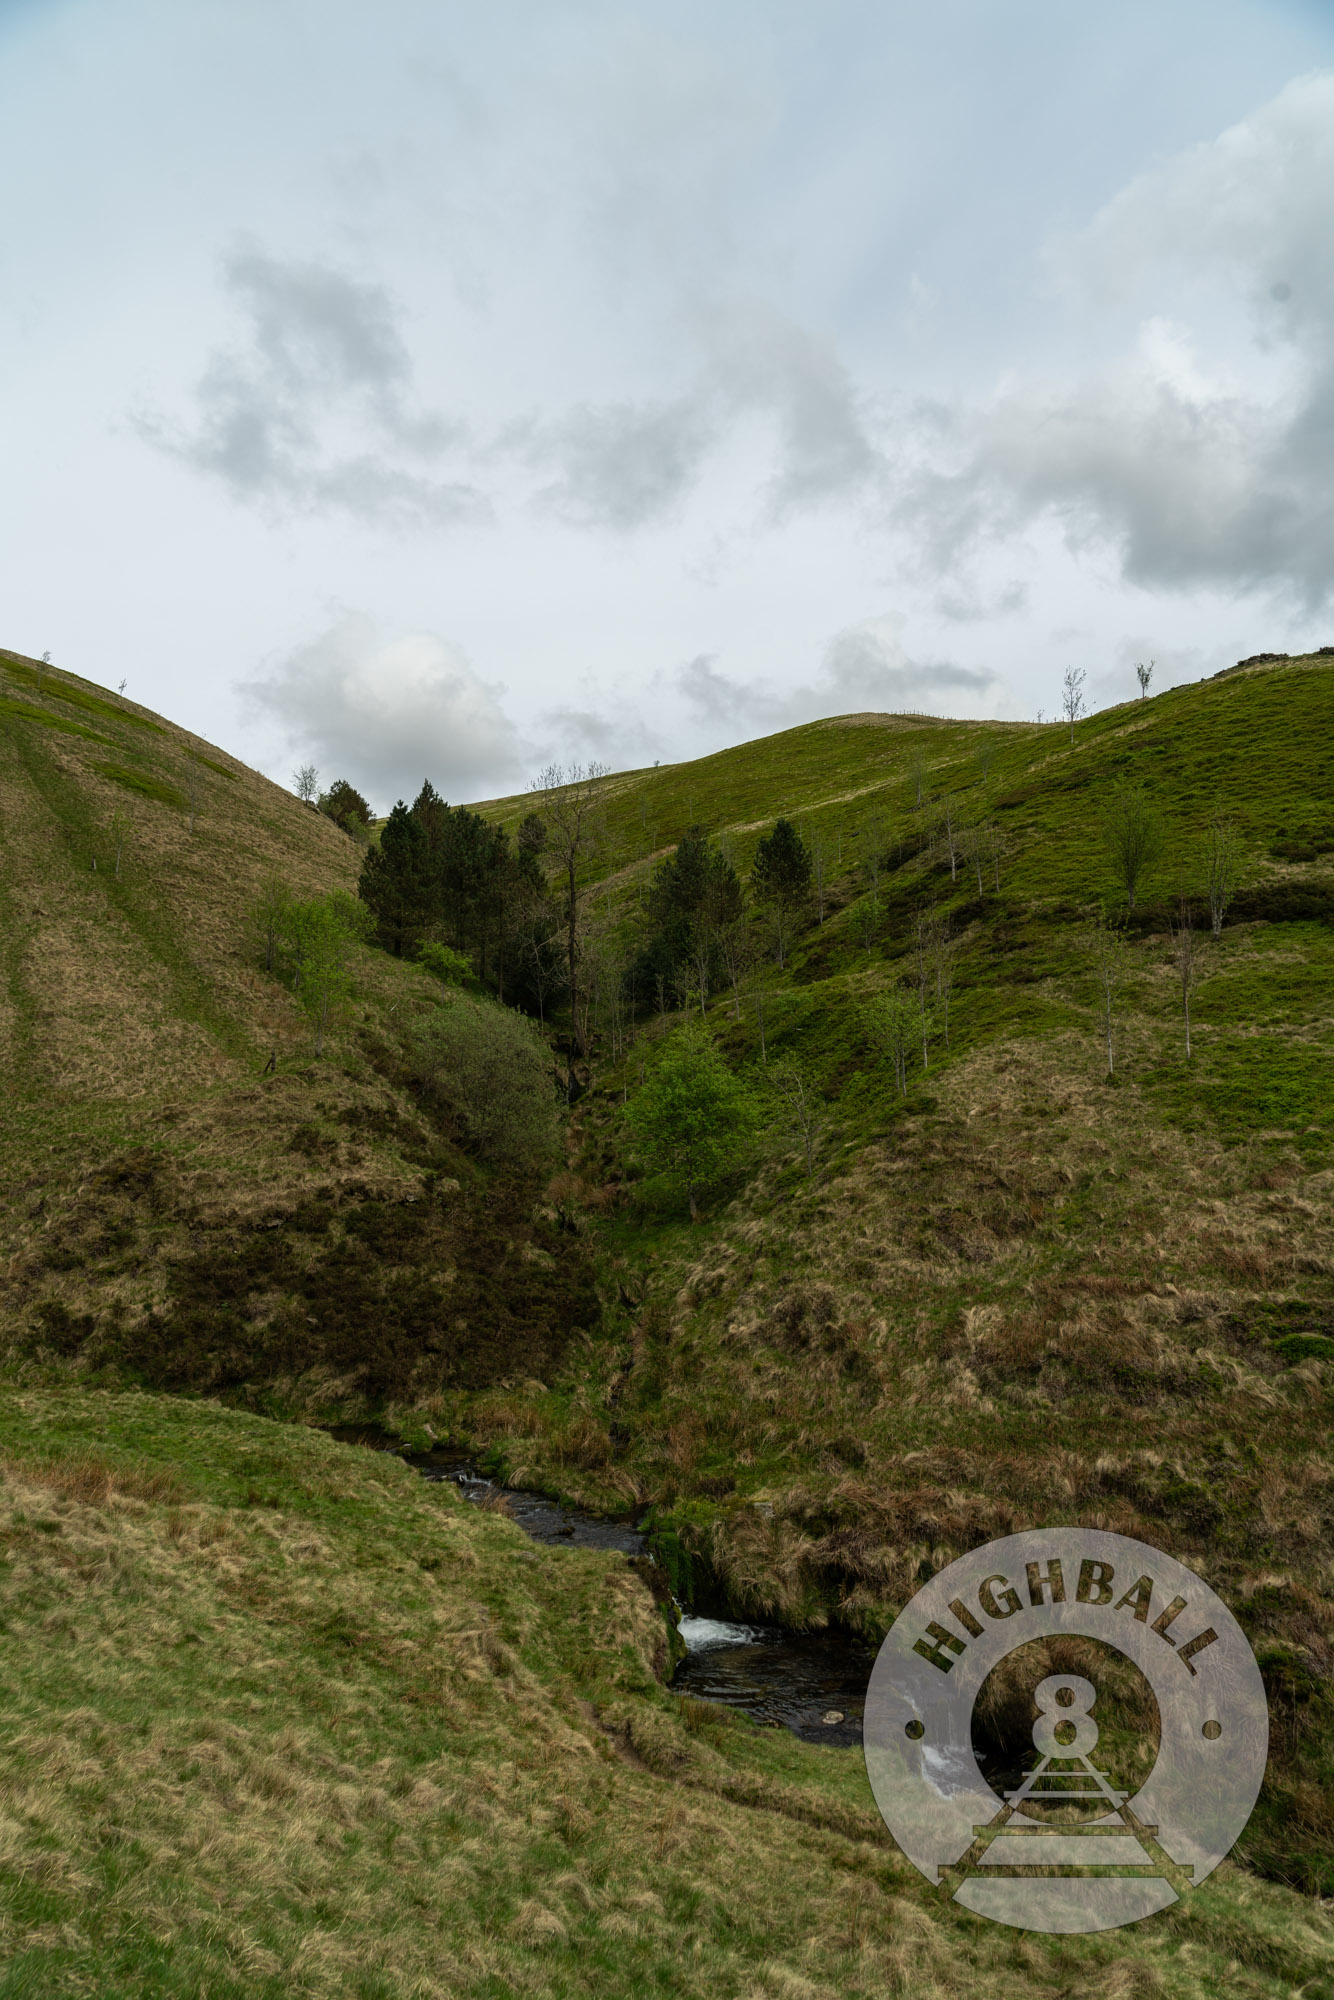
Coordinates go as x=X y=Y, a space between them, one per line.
x=425 y=389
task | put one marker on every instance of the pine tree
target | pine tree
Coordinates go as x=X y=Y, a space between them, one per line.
x=395 y=882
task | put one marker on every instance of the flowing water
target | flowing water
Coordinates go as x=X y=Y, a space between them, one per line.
x=813 y=1683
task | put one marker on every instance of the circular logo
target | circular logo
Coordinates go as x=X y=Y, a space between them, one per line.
x=1066 y=1730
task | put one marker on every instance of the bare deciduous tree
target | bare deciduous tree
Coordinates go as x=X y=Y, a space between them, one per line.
x=306 y=783
x=1072 y=697
x=819 y=872
x=1110 y=960
x=1144 y=675
x=1186 y=959
x=950 y=830
x=1132 y=833
x=567 y=803
x=1222 y=865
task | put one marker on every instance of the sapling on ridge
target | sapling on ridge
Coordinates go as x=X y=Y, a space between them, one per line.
x=1072 y=697
x=1144 y=675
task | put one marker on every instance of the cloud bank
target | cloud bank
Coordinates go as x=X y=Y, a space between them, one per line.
x=388 y=713
x=1193 y=471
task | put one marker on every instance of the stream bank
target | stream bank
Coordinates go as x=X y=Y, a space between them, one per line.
x=813 y=1683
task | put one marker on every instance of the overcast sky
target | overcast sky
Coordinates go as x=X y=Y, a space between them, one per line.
x=427 y=388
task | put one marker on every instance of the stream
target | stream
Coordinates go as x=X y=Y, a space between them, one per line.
x=813 y=1683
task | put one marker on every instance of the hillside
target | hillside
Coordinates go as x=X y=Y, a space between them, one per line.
x=1020 y=1292
x=172 y=1145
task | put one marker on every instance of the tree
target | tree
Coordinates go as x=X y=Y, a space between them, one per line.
x=950 y=832
x=933 y=960
x=796 y=1094
x=451 y=968
x=567 y=803
x=493 y=1071
x=695 y=907
x=345 y=806
x=1222 y=865
x=1110 y=960
x=893 y=1020
x=1132 y=833
x=1186 y=959
x=318 y=937
x=395 y=882
x=271 y=917
x=780 y=879
x=306 y=783
x=1144 y=675
x=692 y=1117
x=1072 y=697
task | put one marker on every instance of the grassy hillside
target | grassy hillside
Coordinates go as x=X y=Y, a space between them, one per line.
x=283 y=1720
x=172 y=1154
x=1019 y=1294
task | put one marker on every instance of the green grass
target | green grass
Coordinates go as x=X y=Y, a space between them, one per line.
x=284 y=1720
x=144 y=786
x=22 y=711
x=62 y=687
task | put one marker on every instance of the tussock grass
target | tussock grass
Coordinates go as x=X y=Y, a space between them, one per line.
x=282 y=1719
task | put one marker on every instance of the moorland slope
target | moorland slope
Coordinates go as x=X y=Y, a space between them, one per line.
x=1016 y=1293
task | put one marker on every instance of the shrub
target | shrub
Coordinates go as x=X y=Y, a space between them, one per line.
x=494 y=1072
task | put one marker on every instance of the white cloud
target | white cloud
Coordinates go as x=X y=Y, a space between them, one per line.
x=1195 y=469
x=388 y=713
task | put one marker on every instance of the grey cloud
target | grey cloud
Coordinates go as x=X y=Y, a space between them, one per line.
x=611 y=735
x=625 y=465
x=864 y=668
x=388 y=713
x=1191 y=473
x=317 y=411
x=763 y=361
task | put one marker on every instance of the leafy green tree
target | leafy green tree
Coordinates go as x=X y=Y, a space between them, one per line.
x=1222 y=859
x=270 y=916
x=1132 y=833
x=451 y=968
x=801 y=1104
x=395 y=882
x=318 y=936
x=692 y=1117
x=494 y=1072
x=893 y=1020
x=780 y=881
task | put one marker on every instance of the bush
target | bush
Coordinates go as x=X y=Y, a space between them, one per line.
x=494 y=1072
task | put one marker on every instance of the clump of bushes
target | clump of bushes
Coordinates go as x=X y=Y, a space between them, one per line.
x=489 y=1067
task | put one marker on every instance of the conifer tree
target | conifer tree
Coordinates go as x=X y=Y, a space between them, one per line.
x=395 y=882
